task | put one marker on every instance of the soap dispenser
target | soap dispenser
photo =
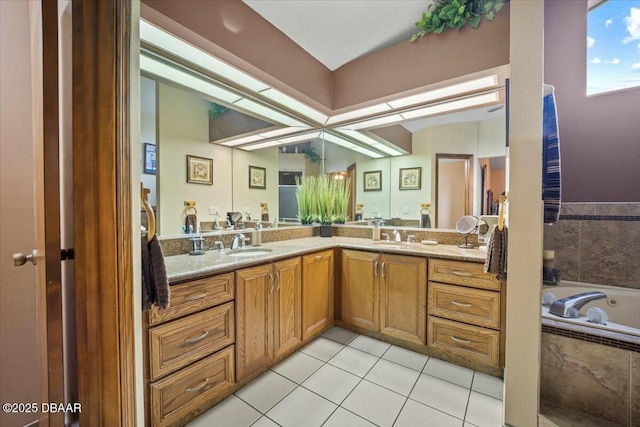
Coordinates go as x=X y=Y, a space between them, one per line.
x=376 y=231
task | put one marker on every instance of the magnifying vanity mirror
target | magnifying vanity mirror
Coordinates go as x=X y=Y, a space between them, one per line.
x=252 y=151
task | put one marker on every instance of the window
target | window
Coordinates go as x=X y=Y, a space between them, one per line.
x=613 y=46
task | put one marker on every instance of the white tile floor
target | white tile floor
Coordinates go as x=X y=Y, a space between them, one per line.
x=343 y=379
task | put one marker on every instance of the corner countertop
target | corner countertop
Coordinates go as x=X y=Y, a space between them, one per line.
x=186 y=267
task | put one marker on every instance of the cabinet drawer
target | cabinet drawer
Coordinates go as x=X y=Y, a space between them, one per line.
x=471 y=342
x=461 y=273
x=475 y=306
x=178 y=343
x=177 y=395
x=194 y=296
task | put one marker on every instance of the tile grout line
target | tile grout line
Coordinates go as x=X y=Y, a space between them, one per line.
x=410 y=391
x=466 y=408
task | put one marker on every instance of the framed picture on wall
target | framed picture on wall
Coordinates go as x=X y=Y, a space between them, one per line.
x=257 y=177
x=410 y=178
x=372 y=181
x=199 y=170
x=149 y=159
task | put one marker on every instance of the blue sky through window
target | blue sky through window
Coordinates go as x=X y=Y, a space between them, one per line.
x=613 y=46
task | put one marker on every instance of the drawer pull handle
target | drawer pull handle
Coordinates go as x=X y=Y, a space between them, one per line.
x=461 y=304
x=278 y=280
x=375 y=268
x=198 y=387
x=197 y=338
x=194 y=297
x=318 y=257
x=461 y=273
x=460 y=340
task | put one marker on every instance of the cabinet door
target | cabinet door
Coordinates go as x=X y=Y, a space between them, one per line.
x=317 y=292
x=287 y=330
x=360 y=289
x=403 y=297
x=254 y=348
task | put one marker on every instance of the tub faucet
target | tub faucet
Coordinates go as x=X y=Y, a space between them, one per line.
x=570 y=306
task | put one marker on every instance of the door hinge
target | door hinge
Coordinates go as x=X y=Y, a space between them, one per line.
x=67 y=254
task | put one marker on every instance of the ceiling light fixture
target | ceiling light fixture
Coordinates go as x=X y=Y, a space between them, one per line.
x=447 y=91
x=471 y=101
x=294 y=105
x=155 y=36
x=373 y=142
x=165 y=71
x=355 y=114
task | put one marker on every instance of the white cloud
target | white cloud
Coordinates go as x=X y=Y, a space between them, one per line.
x=608 y=22
x=633 y=25
x=590 y=41
x=614 y=61
x=596 y=60
x=636 y=66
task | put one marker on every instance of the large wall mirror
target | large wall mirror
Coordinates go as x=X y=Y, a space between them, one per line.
x=396 y=163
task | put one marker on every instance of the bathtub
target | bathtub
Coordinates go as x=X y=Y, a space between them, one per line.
x=622 y=305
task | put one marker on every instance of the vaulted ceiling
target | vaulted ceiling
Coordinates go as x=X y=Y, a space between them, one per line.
x=338 y=31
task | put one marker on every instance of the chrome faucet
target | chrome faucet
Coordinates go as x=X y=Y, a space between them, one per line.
x=239 y=240
x=219 y=245
x=570 y=306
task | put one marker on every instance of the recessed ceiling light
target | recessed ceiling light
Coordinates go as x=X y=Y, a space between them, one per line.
x=452 y=105
x=295 y=105
x=362 y=112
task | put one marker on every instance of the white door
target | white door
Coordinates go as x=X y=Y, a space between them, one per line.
x=23 y=322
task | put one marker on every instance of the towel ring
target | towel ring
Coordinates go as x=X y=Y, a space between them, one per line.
x=151 y=218
x=190 y=205
x=503 y=201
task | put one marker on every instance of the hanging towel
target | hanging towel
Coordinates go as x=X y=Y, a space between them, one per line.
x=191 y=223
x=425 y=221
x=496 y=262
x=155 y=286
x=550 y=160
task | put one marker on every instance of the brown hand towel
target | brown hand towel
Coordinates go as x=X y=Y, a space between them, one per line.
x=160 y=283
x=191 y=223
x=496 y=262
x=148 y=292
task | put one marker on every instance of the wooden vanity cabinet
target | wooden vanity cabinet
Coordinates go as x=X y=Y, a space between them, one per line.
x=465 y=308
x=268 y=314
x=317 y=293
x=385 y=293
x=190 y=350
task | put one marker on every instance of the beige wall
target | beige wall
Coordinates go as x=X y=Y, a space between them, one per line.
x=148 y=132
x=184 y=129
x=245 y=197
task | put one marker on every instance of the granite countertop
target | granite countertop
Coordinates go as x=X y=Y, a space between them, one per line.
x=185 y=267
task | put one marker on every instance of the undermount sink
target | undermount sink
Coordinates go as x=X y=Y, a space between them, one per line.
x=249 y=252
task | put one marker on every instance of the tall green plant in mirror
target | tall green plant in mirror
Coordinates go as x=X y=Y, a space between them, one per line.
x=443 y=14
x=322 y=199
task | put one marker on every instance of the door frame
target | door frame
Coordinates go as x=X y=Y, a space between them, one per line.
x=468 y=181
x=103 y=212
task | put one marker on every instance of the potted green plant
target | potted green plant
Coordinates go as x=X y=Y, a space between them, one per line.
x=341 y=193
x=325 y=204
x=305 y=195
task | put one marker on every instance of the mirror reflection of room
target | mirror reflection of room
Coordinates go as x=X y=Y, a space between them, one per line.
x=184 y=123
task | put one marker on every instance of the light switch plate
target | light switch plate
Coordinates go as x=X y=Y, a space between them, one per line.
x=406 y=210
x=213 y=210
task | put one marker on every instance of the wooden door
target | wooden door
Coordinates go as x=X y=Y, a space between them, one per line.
x=23 y=300
x=317 y=293
x=360 y=289
x=254 y=349
x=287 y=306
x=403 y=297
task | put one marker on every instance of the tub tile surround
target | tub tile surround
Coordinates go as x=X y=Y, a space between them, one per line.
x=383 y=393
x=597 y=243
x=589 y=378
